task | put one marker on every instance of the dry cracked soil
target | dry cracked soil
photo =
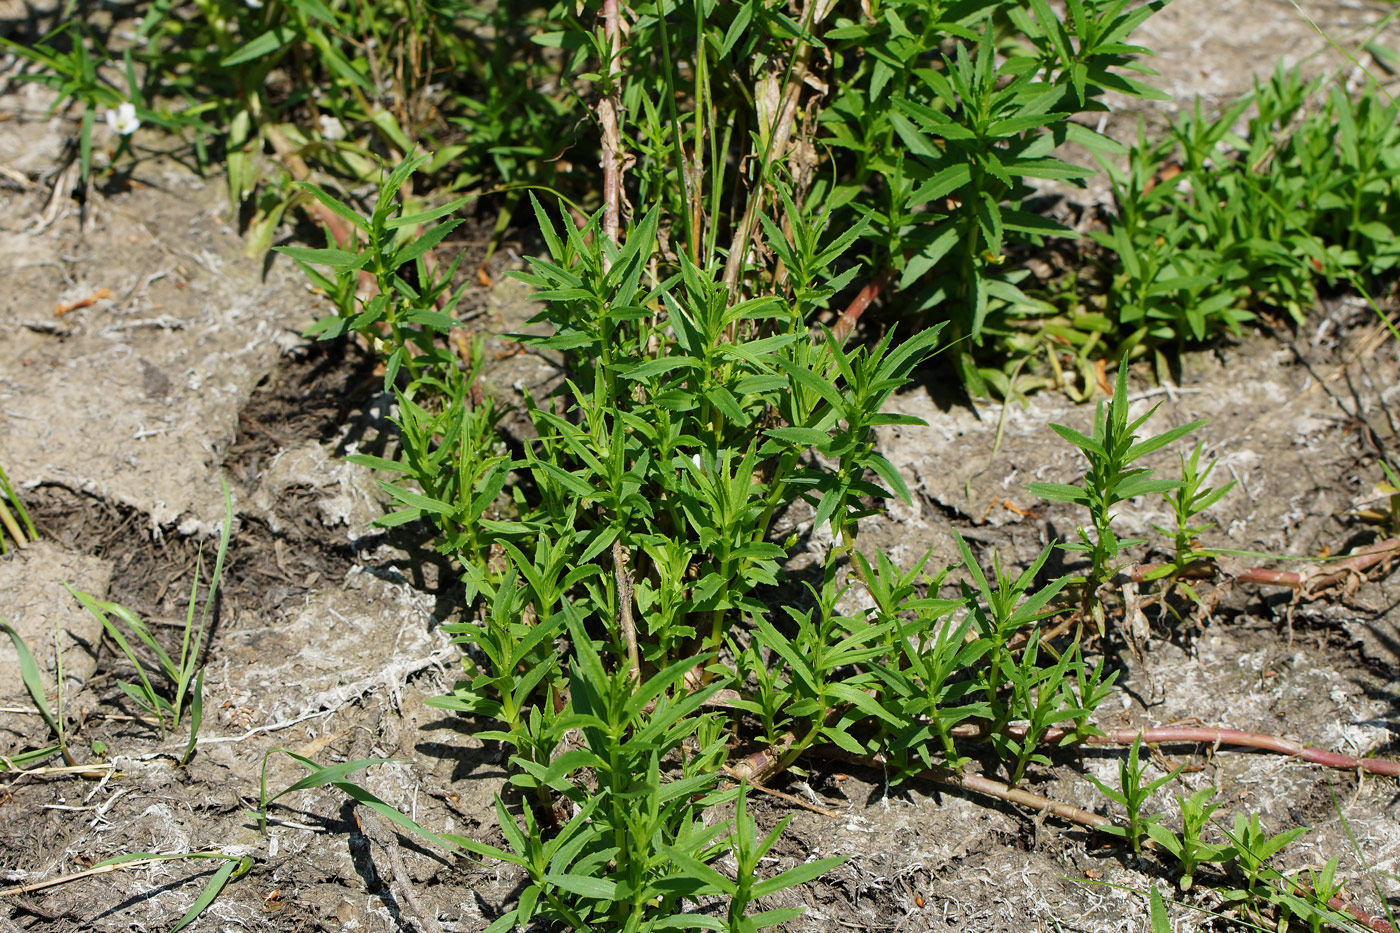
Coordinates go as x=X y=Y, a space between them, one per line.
x=120 y=419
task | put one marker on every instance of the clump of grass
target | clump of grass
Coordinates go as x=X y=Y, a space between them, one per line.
x=184 y=677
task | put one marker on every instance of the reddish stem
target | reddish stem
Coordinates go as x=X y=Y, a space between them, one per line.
x=1307 y=581
x=847 y=321
x=1216 y=736
x=1207 y=734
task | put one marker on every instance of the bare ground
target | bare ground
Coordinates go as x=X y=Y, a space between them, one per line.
x=120 y=419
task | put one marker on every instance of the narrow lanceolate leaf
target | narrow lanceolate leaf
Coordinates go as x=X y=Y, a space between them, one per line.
x=335 y=258
x=420 y=245
x=795 y=876
x=338 y=207
x=416 y=500
x=583 y=885
x=1059 y=492
x=320 y=776
x=1161 y=440
x=1083 y=442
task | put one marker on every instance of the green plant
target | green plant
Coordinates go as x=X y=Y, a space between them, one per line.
x=231 y=868
x=74 y=74
x=1190 y=848
x=609 y=866
x=34 y=686
x=184 y=678
x=998 y=614
x=708 y=388
x=1187 y=501
x=1133 y=794
x=1253 y=848
x=749 y=852
x=1213 y=227
x=335 y=776
x=1109 y=480
x=401 y=320
x=1042 y=697
x=930 y=681
x=10 y=508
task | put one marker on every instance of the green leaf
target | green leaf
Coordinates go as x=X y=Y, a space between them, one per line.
x=1059 y=492
x=211 y=890
x=423 y=217
x=261 y=47
x=320 y=776
x=802 y=874
x=584 y=885
x=338 y=259
x=417 y=500
x=340 y=208
x=423 y=243
x=29 y=674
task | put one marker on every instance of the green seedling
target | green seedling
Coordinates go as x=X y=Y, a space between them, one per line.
x=1000 y=612
x=1307 y=195
x=933 y=687
x=1187 y=501
x=14 y=519
x=184 y=677
x=75 y=74
x=1132 y=795
x=1041 y=697
x=34 y=685
x=402 y=320
x=1109 y=480
x=749 y=852
x=1319 y=889
x=1089 y=689
x=1190 y=848
x=1254 y=847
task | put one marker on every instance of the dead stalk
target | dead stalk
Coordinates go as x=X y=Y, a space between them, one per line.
x=1024 y=798
x=89 y=873
x=607 y=117
x=978 y=785
x=612 y=199
x=623 y=577
x=782 y=133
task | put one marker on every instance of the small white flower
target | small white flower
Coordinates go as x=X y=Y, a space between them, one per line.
x=123 y=120
x=331 y=128
x=254 y=4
